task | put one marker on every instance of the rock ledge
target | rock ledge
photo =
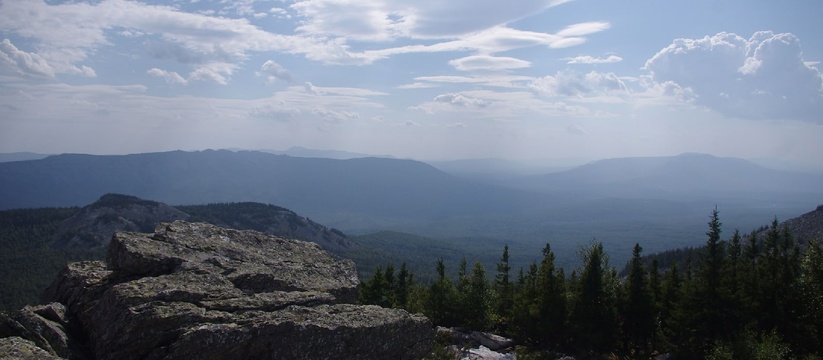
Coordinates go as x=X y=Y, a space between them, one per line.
x=197 y=291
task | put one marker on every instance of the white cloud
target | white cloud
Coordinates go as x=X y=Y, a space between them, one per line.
x=345 y=91
x=577 y=85
x=587 y=59
x=82 y=70
x=22 y=62
x=386 y=20
x=356 y=20
x=335 y=116
x=460 y=100
x=171 y=77
x=67 y=34
x=499 y=105
x=217 y=72
x=487 y=41
x=311 y=89
x=280 y=13
x=583 y=29
x=503 y=81
x=280 y=111
x=274 y=71
x=764 y=77
x=416 y=85
x=488 y=63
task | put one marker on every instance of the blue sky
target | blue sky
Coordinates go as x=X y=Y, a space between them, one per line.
x=423 y=79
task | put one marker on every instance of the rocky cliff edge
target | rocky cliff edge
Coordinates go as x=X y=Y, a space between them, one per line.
x=197 y=291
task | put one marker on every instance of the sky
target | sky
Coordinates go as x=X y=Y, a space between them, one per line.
x=421 y=79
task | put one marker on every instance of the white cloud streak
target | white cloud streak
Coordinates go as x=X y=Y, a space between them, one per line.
x=68 y=33
x=488 y=63
x=171 y=77
x=587 y=59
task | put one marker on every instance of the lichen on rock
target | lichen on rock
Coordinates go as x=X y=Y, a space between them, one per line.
x=198 y=291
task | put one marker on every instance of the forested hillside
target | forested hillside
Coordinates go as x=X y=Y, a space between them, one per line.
x=739 y=299
x=27 y=263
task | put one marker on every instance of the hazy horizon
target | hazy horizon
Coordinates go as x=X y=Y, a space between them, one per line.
x=584 y=79
x=514 y=167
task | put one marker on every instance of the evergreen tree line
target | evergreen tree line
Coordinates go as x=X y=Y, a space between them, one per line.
x=741 y=299
x=27 y=263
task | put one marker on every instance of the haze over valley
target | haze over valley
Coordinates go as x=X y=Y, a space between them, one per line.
x=546 y=144
x=659 y=202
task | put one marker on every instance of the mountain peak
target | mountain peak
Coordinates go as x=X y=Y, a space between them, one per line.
x=93 y=225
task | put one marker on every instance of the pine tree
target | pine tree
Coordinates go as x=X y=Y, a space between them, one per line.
x=390 y=287
x=374 y=291
x=789 y=298
x=524 y=315
x=439 y=302
x=593 y=315
x=656 y=289
x=769 y=279
x=405 y=282
x=751 y=276
x=462 y=293
x=671 y=298
x=811 y=287
x=708 y=306
x=551 y=301
x=503 y=291
x=733 y=292
x=705 y=314
x=638 y=313
x=477 y=304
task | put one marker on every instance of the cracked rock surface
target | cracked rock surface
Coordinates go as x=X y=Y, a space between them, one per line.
x=197 y=291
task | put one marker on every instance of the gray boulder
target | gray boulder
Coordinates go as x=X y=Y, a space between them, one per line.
x=46 y=327
x=463 y=337
x=17 y=348
x=197 y=291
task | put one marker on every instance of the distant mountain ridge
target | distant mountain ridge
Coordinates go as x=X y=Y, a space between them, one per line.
x=371 y=187
x=673 y=176
x=20 y=156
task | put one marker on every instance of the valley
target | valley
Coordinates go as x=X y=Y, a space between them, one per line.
x=382 y=210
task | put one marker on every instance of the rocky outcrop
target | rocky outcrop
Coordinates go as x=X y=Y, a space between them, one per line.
x=469 y=338
x=18 y=348
x=197 y=291
x=476 y=345
x=46 y=327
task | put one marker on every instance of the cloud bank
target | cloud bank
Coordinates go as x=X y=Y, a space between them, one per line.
x=763 y=77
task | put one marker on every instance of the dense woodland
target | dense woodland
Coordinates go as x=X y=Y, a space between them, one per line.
x=27 y=262
x=739 y=298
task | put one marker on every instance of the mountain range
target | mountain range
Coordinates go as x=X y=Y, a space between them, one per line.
x=661 y=202
x=317 y=186
x=687 y=175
